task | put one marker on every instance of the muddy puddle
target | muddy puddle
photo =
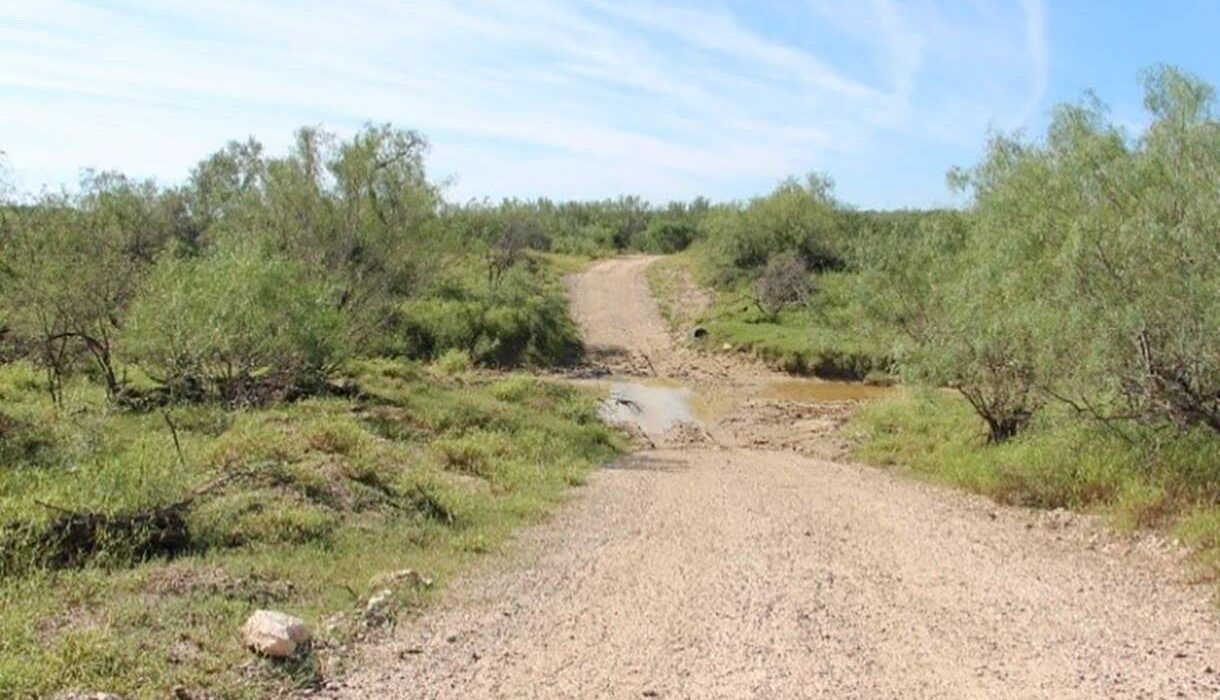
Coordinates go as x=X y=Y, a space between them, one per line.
x=652 y=407
x=656 y=406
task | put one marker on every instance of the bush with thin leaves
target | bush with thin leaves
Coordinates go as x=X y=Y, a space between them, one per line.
x=68 y=268
x=666 y=237
x=235 y=324
x=518 y=320
x=799 y=217
x=1102 y=250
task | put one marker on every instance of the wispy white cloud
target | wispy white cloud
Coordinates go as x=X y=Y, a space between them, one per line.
x=527 y=97
x=1039 y=54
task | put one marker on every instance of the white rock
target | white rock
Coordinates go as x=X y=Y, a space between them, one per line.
x=274 y=634
x=378 y=601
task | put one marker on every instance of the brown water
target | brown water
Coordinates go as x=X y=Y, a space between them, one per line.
x=657 y=404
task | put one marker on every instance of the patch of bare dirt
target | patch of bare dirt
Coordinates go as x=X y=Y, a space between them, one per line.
x=686 y=435
x=811 y=429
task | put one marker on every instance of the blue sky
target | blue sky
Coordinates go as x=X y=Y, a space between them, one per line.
x=580 y=98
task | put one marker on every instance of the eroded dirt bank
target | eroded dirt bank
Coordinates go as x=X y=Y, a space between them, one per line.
x=734 y=562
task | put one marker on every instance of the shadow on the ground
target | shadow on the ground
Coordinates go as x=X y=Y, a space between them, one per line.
x=647 y=463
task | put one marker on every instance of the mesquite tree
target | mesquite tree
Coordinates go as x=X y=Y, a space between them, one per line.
x=71 y=266
x=1089 y=271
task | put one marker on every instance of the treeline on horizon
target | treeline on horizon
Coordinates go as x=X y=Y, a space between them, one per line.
x=1083 y=271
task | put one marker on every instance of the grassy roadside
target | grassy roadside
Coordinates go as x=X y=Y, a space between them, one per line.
x=821 y=338
x=1166 y=482
x=415 y=469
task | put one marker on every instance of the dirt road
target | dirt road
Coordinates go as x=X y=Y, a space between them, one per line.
x=714 y=567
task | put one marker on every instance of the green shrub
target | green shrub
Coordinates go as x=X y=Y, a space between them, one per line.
x=67 y=269
x=797 y=217
x=521 y=319
x=666 y=237
x=1088 y=274
x=825 y=336
x=234 y=320
x=514 y=389
x=454 y=362
x=591 y=240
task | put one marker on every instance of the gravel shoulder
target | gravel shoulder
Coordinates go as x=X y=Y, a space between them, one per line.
x=729 y=569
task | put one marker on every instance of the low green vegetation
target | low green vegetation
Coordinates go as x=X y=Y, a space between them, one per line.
x=520 y=317
x=785 y=271
x=416 y=467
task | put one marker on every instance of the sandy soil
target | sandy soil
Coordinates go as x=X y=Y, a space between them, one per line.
x=729 y=565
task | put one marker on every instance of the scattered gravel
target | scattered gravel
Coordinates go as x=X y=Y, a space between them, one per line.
x=744 y=564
